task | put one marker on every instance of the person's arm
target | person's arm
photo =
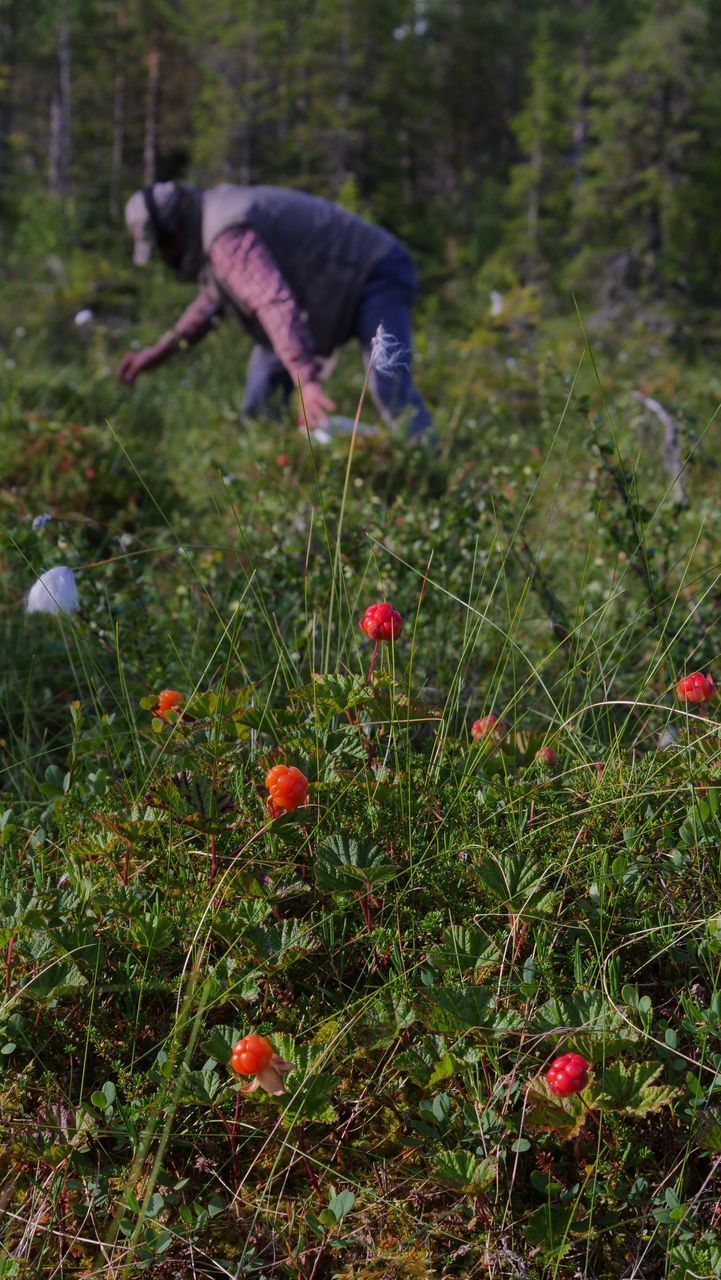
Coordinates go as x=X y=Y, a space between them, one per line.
x=195 y=322
x=246 y=270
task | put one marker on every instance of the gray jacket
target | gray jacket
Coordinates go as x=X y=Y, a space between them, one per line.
x=324 y=252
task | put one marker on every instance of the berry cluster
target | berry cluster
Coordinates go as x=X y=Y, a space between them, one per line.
x=288 y=788
x=488 y=727
x=381 y=622
x=168 y=700
x=696 y=688
x=567 y=1074
x=250 y=1055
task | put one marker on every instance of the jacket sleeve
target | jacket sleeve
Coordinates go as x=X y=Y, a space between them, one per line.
x=198 y=318
x=247 y=272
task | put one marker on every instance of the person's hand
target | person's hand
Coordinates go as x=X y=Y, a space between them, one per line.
x=134 y=363
x=317 y=406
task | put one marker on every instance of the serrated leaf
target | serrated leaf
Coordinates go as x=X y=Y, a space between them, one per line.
x=464 y=950
x=518 y=885
x=344 y=864
x=309 y=1099
x=200 y=1086
x=547 y=1114
x=708 y=1130
x=283 y=942
x=464 y=1171
x=551 y=1225
x=446 y=1067
x=219 y=1042
x=418 y=1063
x=390 y=1013
x=276 y=724
x=588 y=1024
x=333 y=695
x=629 y=1087
x=457 y=1009
x=57 y=980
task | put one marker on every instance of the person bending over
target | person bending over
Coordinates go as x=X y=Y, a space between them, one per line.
x=302 y=275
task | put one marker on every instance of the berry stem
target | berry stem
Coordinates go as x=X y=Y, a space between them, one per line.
x=373 y=661
x=592 y=1114
x=126 y=864
x=9 y=964
x=213 y=863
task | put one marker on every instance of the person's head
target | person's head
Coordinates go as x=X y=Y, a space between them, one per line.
x=157 y=219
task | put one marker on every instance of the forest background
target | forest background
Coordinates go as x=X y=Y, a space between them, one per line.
x=449 y=911
x=567 y=146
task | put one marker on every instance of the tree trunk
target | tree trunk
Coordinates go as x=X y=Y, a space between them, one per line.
x=150 y=144
x=116 y=158
x=656 y=228
x=534 y=194
x=9 y=57
x=59 y=152
x=343 y=99
x=250 y=74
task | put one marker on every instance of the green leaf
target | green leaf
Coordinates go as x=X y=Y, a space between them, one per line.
x=464 y=1171
x=629 y=1087
x=551 y=1225
x=708 y=1130
x=200 y=1086
x=456 y=1009
x=343 y=864
x=219 y=1042
x=283 y=943
x=518 y=885
x=443 y=1069
x=420 y=1063
x=464 y=950
x=57 y=980
x=333 y=695
x=587 y=1023
x=341 y=1204
x=310 y=1099
x=155 y=1205
x=152 y=933
x=390 y=1013
x=546 y=1113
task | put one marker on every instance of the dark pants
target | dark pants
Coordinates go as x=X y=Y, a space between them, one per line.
x=385 y=299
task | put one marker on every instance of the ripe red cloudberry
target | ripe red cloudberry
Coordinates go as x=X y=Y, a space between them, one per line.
x=546 y=755
x=696 y=688
x=488 y=726
x=381 y=622
x=567 y=1074
x=250 y=1055
x=168 y=700
x=288 y=787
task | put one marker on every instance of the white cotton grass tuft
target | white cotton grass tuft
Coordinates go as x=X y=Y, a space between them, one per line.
x=83 y=317
x=54 y=592
x=387 y=352
x=40 y=521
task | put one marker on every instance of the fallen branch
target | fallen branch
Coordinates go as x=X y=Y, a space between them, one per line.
x=671 y=451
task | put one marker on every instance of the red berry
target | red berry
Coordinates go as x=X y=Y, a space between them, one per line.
x=168 y=701
x=250 y=1055
x=696 y=688
x=546 y=755
x=381 y=622
x=288 y=787
x=282 y=460
x=488 y=726
x=567 y=1074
